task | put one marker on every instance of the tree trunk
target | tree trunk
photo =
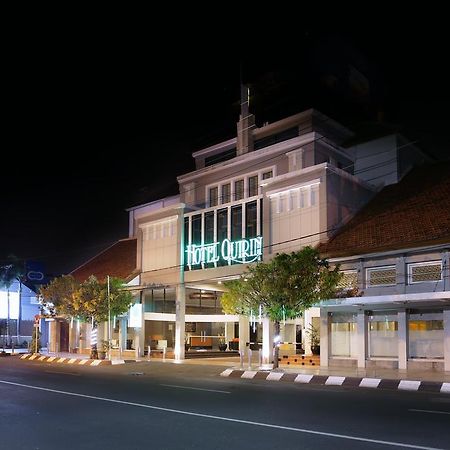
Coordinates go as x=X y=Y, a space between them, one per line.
x=276 y=349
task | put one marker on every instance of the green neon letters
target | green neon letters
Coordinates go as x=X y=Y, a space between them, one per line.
x=242 y=251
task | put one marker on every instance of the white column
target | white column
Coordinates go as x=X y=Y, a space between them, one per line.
x=447 y=340
x=403 y=340
x=267 y=341
x=229 y=332
x=325 y=340
x=361 y=330
x=52 y=335
x=180 y=321
x=244 y=333
x=123 y=330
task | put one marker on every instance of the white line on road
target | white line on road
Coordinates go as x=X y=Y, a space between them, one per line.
x=225 y=419
x=194 y=388
x=63 y=373
x=431 y=412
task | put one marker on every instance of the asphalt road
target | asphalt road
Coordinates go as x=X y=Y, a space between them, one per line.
x=168 y=406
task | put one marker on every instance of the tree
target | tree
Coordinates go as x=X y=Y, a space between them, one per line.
x=12 y=271
x=93 y=296
x=60 y=297
x=64 y=296
x=284 y=287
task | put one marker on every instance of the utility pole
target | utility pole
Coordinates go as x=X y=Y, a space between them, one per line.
x=109 y=320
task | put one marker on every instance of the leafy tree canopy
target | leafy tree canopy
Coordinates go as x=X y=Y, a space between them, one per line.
x=284 y=286
x=11 y=270
x=67 y=297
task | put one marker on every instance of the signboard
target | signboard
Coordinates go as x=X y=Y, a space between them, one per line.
x=242 y=251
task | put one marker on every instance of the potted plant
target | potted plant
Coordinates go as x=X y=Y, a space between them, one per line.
x=103 y=351
x=222 y=343
x=314 y=337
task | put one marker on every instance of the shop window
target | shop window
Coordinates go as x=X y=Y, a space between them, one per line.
x=426 y=334
x=383 y=334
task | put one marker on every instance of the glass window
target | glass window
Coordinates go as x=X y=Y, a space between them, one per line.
x=253 y=186
x=226 y=193
x=213 y=196
x=158 y=300
x=343 y=334
x=209 y=227
x=383 y=334
x=236 y=222
x=197 y=229
x=222 y=224
x=426 y=334
x=250 y=220
x=267 y=175
x=239 y=190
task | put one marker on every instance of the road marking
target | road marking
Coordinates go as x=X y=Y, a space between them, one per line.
x=63 y=373
x=194 y=388
x=225 y=419
x=431 y=412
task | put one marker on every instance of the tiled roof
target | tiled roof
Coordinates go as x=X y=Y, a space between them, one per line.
x=412 y=213
x=119 y=260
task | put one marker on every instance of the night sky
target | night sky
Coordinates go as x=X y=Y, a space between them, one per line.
x=97 y=126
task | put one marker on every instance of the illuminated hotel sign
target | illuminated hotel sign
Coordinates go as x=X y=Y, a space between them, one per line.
x=243 y=251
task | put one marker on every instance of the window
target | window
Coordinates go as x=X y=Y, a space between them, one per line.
x=253 y=186
x=222 y=223
x=349 y=280
x=239 y=190
x=209 y=227
x=250 y=220
x=423 y=272
x=267 y=175
x=213 y=196
x=236 y=223
x=381 y=276
x=197 y=229
x=226 y=193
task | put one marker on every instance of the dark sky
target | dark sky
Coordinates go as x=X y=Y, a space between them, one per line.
x=94 y=126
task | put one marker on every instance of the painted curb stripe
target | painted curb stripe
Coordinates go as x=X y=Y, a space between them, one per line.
x=83 y=361
x=303 y=378
x=226 y=373
x=71 y=361
x=51 y=359
x=249 y=374
x=370 y=382
x=335 y=381
x=445 y=388
x=274 y=376
x=409 y=385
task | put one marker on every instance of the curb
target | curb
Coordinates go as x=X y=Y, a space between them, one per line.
x=73 y=361
x=326 y=380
